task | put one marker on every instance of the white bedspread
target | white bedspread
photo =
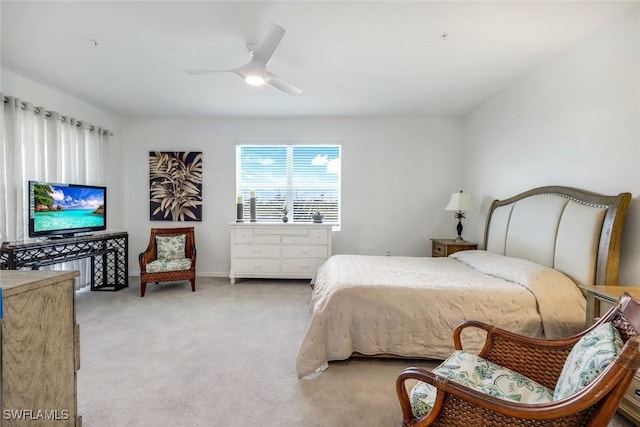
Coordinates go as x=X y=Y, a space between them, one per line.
x=409 y=306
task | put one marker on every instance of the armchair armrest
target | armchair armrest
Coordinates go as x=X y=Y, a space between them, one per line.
x=146 y=257
x=539 y=359
x=194 y=251
x=426 y=376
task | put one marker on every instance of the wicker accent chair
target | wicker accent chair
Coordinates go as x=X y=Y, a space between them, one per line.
x=541 y=361
x=174 y=263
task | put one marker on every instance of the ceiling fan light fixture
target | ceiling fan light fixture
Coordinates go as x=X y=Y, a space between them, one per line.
x=254 y=80
x=255 y=71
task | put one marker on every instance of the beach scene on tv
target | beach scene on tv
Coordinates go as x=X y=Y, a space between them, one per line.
x=61 y=207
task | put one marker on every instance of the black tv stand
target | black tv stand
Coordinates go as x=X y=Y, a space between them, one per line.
x=109 y=254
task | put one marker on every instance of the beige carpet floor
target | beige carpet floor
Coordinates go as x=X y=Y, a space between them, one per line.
x=222 y=356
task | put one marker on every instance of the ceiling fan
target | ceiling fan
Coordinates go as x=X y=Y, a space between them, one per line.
x=255 y=71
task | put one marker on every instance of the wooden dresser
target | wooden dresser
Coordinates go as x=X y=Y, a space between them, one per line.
x=40 y=349
x=599 y=300
x=278 y=250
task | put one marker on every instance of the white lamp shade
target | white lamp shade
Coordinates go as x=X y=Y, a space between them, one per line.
x=460 y=202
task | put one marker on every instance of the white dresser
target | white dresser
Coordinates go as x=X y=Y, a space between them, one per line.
x=278 y=250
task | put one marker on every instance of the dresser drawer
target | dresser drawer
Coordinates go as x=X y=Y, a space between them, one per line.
x=257 y=251
x=281 y=231
x=257 y=266
x=249 y=236
x=295 y=240
x=294 y=251
x=271 y=239
x=243 y=235
x=315 y=237
x=630 y=403
x=302 y=266
x=319 y=237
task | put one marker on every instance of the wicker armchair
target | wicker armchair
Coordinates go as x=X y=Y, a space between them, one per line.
x=540 y=360
x=173 y=265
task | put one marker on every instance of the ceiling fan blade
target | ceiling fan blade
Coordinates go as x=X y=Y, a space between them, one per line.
x=276 y=82
x=269 y=41
x=205 y=71
x=255 y=71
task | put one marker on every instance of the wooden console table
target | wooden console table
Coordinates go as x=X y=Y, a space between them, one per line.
x=108 y=253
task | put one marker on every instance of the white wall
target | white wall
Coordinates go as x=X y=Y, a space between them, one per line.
x=575 y=121
x=397 y=176
x=54 y=100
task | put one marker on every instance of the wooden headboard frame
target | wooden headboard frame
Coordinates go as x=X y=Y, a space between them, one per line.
x=572 y=230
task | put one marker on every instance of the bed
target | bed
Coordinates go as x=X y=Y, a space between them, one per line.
x=539 y=246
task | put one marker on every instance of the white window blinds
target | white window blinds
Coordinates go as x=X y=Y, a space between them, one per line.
x=304 y=179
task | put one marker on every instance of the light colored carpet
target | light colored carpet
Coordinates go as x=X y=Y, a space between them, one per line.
x=222 y=356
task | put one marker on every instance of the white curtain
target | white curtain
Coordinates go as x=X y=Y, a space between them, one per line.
x=44 y=146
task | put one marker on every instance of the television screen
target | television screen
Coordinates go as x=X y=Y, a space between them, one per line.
x=66 y=209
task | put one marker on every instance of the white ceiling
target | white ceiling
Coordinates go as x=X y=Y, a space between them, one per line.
x=350 y=58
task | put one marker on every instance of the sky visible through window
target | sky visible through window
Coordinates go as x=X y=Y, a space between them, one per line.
x=266 y=166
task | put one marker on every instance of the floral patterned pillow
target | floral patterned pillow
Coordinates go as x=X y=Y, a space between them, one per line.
x=170 y=248
x=588 y=358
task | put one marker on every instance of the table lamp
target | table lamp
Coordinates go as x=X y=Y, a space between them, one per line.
x=460 y=202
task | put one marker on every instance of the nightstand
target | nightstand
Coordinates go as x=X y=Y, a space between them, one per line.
x=599 y=299
x=446 y=247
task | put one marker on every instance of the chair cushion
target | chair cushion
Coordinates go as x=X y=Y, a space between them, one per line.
x=162 y=265
x=588 y=358
x=479 y=374
x=171 y=247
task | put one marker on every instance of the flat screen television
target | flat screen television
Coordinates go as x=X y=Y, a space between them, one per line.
x=63 y=210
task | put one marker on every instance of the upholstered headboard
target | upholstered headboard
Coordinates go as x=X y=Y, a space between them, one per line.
x=571 y=230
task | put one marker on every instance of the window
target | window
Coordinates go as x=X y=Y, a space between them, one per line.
x=301 y=178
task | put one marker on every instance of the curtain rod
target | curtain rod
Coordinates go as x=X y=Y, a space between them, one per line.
x=48 y=114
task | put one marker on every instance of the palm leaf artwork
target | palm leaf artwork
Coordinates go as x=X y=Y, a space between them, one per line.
x=175 y=181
